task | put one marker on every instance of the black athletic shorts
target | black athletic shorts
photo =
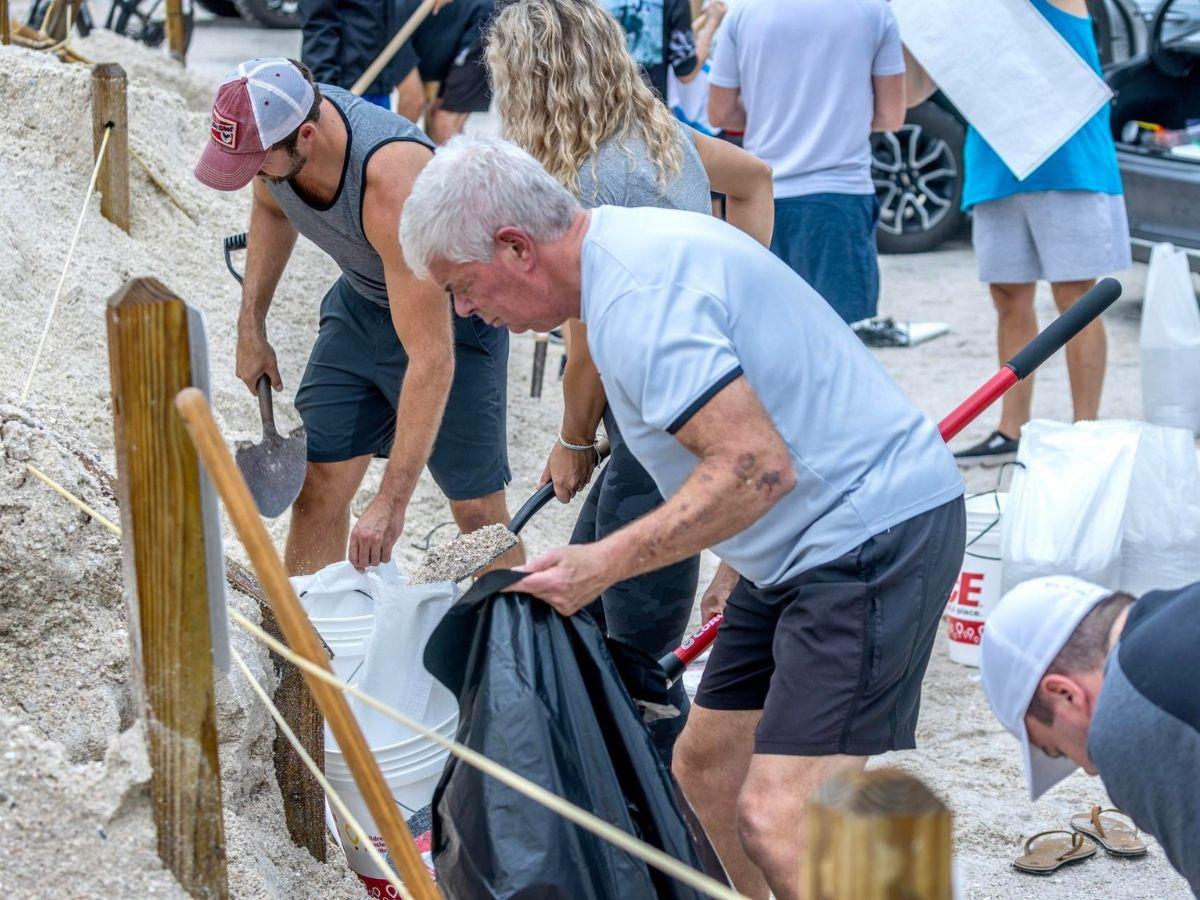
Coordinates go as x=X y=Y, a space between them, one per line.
x=347 y=397
x=835 y=656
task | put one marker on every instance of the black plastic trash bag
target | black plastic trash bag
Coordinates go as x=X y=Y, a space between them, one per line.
x=541 y=695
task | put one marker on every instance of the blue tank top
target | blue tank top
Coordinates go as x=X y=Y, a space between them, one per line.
x=1086 y=162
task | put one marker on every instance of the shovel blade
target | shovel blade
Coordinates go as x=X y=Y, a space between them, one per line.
x=274 y=471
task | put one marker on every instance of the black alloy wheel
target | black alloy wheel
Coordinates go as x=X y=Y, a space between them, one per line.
x=917 y=172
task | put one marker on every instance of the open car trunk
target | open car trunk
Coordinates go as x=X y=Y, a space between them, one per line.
x=1162 y=189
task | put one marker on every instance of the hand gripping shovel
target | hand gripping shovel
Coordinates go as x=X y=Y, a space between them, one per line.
x=1052 y=338
x=274 y=469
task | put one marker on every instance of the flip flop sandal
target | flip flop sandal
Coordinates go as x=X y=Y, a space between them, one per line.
x=1119 y=836
x=1052 y=853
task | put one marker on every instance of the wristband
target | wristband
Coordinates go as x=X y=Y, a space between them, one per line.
x=578 y=448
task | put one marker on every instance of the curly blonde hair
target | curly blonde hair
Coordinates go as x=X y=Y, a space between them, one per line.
x=564 y=83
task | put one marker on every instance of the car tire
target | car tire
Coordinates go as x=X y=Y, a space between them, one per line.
x=918 y=175
x=220 y=8
x=270 y=13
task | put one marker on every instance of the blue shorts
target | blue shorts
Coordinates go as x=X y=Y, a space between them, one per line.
x=350 y=388
x=829 y=241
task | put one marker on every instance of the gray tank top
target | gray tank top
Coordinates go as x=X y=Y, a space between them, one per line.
x=620 y=173
x=337 y=228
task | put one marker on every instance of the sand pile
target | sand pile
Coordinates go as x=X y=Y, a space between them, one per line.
x=72 y=753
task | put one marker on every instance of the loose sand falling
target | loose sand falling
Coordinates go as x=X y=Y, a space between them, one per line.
x=74 y=805
x=465 y=555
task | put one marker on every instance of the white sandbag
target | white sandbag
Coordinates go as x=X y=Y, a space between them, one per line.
x=1160 y=548
x=340 y=591
x=1066 y=508
x=394 y=670
x=1007 y=70
x=1170 y=342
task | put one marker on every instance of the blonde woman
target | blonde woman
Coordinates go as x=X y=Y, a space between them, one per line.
x=570 y=94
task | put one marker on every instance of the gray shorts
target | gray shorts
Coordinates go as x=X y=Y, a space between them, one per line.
x=347 y=397
x=1051 y=236
x=834 y=657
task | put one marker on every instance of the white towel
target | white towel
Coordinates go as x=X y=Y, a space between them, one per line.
x=1007 y=70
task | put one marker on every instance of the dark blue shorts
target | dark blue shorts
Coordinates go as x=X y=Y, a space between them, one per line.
x=829 y=241
x=348 y=395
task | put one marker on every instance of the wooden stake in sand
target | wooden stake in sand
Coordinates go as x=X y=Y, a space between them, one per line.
x=109 y=110
x=876 y=835
x=176 y=31
x=5 y=23
x=158 y=481
x=303 y=640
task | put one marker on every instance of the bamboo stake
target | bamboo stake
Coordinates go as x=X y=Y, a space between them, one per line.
x=368 y=77
x=300 y=636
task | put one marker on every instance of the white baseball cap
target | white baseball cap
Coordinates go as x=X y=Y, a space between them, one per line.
x=260 y=102
x=1023 y=635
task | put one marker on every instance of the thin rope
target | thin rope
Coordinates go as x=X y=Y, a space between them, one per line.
x=159 y=183
x=315 y=770
x=66 y=267
x=71 y=498
x=648 y=854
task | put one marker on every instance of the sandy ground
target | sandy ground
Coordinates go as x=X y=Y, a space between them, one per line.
x=44 y=113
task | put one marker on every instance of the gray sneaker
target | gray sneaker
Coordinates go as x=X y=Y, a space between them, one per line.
x=994 y=450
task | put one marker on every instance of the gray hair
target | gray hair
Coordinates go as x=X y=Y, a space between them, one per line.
x=471 y=189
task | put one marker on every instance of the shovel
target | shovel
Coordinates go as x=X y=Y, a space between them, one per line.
x=274 y=469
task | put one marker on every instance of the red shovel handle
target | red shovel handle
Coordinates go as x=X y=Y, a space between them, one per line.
x=1036 y=352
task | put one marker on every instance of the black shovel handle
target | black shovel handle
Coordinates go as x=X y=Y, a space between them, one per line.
x=1103 y=295
x=266 y=406
x=543 y=494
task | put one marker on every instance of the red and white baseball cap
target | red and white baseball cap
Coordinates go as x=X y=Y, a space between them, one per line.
x=259 y=103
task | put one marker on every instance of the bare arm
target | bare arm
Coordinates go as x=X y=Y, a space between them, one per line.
x=889 y=102
x=421 y=316
x=918 y=86
x=714 y=12
x=269 y=244
x=745 y=180
x=744 y=470
x=725 y=109
x=584 y=400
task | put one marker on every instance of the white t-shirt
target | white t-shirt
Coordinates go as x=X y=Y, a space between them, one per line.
x=804 y=68
x=680 y=304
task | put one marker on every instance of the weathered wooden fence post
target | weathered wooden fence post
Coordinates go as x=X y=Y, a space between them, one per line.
x=877 y=835
x=5 y=23
x=163 y=541
x=176 y=30
x=109 y=109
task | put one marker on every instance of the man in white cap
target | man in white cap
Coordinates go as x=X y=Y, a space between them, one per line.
x=1087 y=677
x=389 y=350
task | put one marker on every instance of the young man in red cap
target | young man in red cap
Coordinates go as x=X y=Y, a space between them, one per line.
x=338 y=170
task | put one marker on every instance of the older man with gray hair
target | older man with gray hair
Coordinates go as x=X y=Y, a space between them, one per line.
x=777 y=440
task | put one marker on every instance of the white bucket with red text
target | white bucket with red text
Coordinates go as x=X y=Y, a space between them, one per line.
x=411 y=768
x=977 y=590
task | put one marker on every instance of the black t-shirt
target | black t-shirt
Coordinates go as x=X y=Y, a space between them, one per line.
x=658 y=34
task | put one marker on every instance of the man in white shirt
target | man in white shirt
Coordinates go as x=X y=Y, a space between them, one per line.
x=777 y=440
x=808 y=81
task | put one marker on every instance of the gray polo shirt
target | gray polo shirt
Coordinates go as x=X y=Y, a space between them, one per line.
x=680 y=304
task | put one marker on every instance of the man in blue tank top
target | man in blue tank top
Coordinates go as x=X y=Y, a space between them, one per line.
x=338 y=170
x=1065 y=223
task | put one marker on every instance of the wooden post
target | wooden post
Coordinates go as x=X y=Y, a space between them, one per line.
x=158 y=481
x=5 y=23
x=54 y=21
x=877 y=835
x=109 y=109
x=298 y=631
x=176 y=31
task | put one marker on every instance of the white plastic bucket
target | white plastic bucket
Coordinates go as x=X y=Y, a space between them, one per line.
x=977 y=590
x=411 y=775
x=347 y=637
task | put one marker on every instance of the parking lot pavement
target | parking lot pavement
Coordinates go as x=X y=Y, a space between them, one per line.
x=219 y=44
